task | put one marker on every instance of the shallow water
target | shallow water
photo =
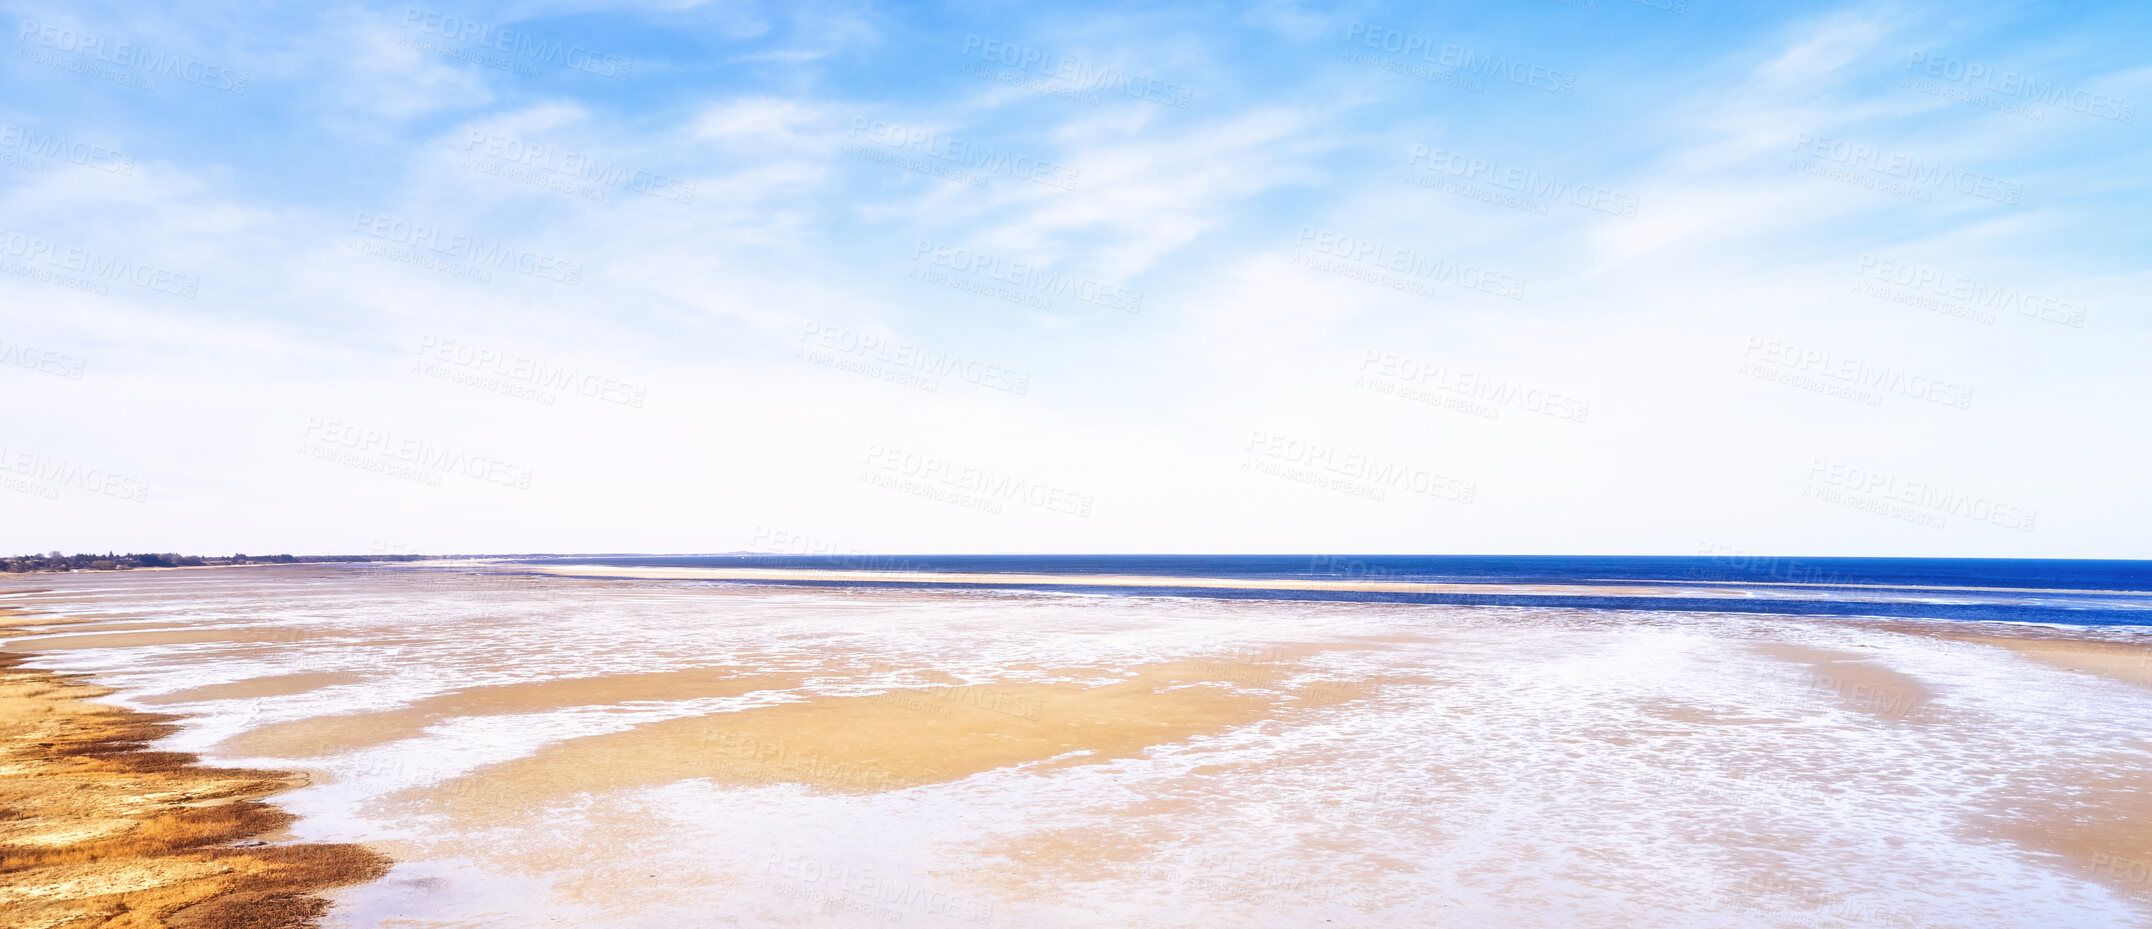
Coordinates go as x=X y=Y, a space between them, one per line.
x=1367 y=764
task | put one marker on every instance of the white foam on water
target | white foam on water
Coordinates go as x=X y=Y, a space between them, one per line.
x=1507 y=767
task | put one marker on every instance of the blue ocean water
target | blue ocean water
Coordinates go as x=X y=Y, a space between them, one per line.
x=2075 y=592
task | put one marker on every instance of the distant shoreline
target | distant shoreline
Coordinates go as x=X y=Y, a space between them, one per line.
x=165 y=561
x=1713 y=590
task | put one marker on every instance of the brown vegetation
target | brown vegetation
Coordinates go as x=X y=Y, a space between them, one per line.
x=97 y=831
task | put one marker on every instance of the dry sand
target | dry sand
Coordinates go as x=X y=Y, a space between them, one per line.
x=96 y=831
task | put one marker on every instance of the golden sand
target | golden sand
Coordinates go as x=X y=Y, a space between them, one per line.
x=2126 y=662
x=103 y=624
x=2102 y=822
x=166 y=636
x=278 y=685
x=97 y=832
x=1857 y=682
x=943 y=729
x=906 y=737
x=13 y=618
x=327 y=735
x=2123 y=657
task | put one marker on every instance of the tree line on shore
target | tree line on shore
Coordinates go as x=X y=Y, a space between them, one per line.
x=109 y=561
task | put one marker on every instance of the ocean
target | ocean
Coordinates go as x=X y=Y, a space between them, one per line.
x=2079 y=592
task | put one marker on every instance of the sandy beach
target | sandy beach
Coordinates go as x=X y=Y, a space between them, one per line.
x=658 y=750
x=101 y=831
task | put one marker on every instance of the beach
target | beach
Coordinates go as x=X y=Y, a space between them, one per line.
x=649 y=747
x=100 y=831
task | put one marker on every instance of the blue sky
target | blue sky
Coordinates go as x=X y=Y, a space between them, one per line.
x=1539 y=277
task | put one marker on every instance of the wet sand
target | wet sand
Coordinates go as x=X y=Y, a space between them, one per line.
x=328 y=735
x=2101 y=823
x=1862 y=683
x=276 y=685
x=96 y=830
x=2128 y=662
x=901 y=738
x=1050 y=760
x=161 y=636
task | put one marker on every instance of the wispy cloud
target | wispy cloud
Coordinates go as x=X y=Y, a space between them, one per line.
x=805 y=230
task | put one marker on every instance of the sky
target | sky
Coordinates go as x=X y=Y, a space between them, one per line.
x=1602 y=276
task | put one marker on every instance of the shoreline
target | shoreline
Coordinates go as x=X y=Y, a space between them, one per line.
x=814 y=719
x=897 y=578
x=97 y=829
x=2116 y=659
